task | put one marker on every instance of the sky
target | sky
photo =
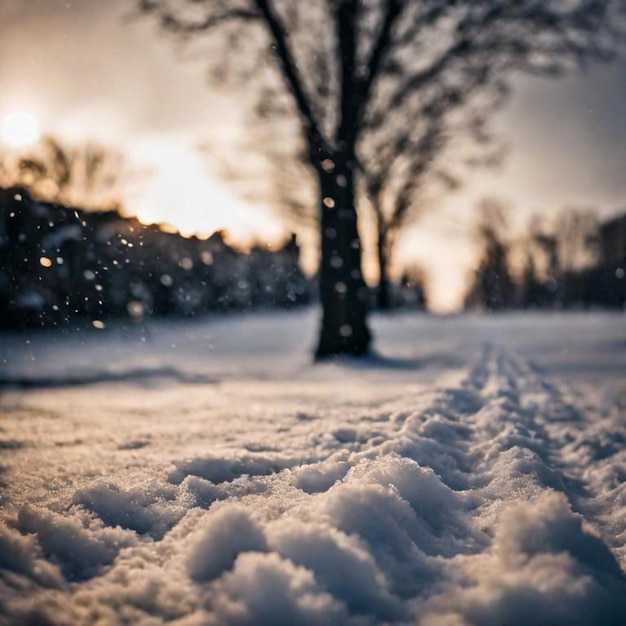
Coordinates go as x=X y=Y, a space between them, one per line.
x=85 y=71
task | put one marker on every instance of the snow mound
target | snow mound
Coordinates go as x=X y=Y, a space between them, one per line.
x=141 y=510
x=227 y=533
x=220 y=470
x=79 y=553
x=340 y=563
x=548 y=526
x=267 y=590
x=543 y=564
x=21 y=555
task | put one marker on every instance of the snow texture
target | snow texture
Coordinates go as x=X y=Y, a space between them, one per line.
x=473 y=475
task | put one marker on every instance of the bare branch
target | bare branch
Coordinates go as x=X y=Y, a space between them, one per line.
x=393 y=11
x=292 y=75
x=172 y=22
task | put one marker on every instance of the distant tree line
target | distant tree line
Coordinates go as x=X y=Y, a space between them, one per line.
x=59 y=265
x=577 y=262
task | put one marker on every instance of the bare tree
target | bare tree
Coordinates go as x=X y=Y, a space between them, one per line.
x=565 y=246
x=87 y=176
x=344 y=69
x=400 y=166
x=492 y=287
x=576 y=231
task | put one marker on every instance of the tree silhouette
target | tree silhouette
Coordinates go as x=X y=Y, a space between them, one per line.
x=492 y=287
x=399 y=165
x=566 y=247
x=345 y=70
x=87 y=176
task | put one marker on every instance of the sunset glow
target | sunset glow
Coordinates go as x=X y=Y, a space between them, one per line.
x=19 y=129
x=179 y=189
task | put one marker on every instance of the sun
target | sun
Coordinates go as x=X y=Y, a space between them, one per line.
x=19 y=129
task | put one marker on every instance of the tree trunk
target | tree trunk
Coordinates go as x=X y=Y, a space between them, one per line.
x=383 y=297
x=343 y=292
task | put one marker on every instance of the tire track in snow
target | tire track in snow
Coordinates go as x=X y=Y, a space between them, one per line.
x=507 y=434
x=528 y=434
x=432 y=508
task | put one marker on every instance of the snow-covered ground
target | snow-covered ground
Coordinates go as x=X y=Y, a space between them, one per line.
x=208 y=473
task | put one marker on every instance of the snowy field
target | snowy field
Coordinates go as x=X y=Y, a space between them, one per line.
x=206 y=472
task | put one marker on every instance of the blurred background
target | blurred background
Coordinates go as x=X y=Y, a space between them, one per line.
x=132 y=185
